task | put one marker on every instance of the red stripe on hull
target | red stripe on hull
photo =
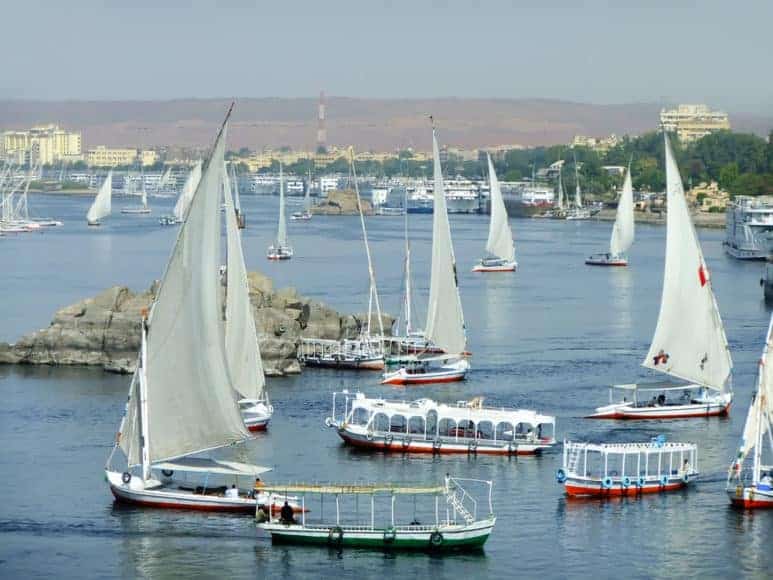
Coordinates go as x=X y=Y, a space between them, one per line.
x=399 y=448
x=259 y=427
x=608 y=264
x=493 y=270
x=403 y=381
x=584 y=491
x=751 y=503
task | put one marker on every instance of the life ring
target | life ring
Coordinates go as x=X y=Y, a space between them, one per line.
x=435 y=540
x=472 y=447
x=436 y=444
x=641 y=481
x=626 y=481
x=406 y=442
x=664 y=480
x=126 y=477
x=388 y=438
x=606 y=483
x=167 y=472
x=335 y=536
x=560 y=476
x=390 y=534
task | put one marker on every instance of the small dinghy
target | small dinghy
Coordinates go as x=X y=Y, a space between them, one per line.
x=622 y=231
x=750 y=479
x=596 y=470
x=447 y=521
x=500 y=237
x=425 y=426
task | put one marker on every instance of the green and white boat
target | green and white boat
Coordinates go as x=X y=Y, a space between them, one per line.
x=451 y=521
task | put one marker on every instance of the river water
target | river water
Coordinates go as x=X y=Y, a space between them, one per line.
x=550 y=337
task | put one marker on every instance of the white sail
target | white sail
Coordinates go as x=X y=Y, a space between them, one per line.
x=560 y=190
x=623 y=230
x=144 y=194
x=101 y=206
x=189 y=188
x=689 y=341
x=281 y=234
x=577 y=192
x=241 y=339
x=190 y=405
x=235 y=185
x=500 y=237
x=445 y=320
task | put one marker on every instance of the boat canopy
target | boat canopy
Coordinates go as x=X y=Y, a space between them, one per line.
x=356 y=489
x=628 y=448
x=654 y=386
x=213 y=466
x=462 y=411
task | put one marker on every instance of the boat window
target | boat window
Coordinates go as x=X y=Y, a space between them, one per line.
x=505 y=431
x=398 y=424
x=432 y=422
x=485 y=430
x=524 y=430
x=360 y=416
x=380 y=422
x=416 y=425
x=447 y=428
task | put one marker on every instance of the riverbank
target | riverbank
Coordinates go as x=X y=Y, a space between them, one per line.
x=700 y=219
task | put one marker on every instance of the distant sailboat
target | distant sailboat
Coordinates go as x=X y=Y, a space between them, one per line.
x=241 y=339
x=752 y=486
x=181 y=400
x=100 y=208
x=185 y=197
x=577 y=212
x=689 y=342
x=143 y=209
x=622 y=230
x=281 y=249
x=304 y=215
x=500 y=237
x=445 y=319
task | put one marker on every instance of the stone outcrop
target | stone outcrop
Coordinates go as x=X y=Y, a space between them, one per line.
x=342 y=203
x=105 y=330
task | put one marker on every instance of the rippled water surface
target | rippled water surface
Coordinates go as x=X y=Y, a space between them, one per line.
x=550 y=337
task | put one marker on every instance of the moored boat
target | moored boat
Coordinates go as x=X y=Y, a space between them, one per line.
x=597 y=470
x=461 y=529
x=689 y=343
x=750 y=478
x=426 y=370
x=425 y=426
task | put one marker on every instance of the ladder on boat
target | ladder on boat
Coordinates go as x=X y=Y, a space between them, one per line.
x=572 y=459
x=458 y=504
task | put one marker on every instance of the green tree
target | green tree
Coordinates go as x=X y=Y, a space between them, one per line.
x=728 y=175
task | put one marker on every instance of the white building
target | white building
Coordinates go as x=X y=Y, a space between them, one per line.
x=691 y=122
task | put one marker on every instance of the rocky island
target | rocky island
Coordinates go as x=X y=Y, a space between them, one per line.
x=341 y=202
x=105 y=330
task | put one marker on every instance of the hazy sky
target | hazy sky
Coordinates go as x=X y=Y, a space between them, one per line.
x=603 y=52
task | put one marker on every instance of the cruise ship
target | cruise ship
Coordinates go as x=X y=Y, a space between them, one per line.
x=749 y=228
x=524 y=199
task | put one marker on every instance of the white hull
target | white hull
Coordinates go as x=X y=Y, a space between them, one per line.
x=719 y=406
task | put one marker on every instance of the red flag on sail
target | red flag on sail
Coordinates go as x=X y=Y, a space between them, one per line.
x=703 y=275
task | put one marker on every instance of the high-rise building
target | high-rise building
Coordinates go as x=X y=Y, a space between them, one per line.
x=46 y=145
x=691 y=122
x=321 y=130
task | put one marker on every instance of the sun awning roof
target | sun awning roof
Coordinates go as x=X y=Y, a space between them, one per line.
x=334 y=488
x=219 y=467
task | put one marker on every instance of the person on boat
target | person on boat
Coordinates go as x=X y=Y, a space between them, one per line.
x=286 y=514
x=766 y=480
x=685 y=467
x=661 y=399
x=262 y=515
x=232 y=492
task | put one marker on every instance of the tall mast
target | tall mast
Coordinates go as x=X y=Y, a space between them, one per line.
x=407 y=272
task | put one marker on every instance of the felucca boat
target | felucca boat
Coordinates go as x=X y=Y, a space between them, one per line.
x=143 y=208
x=577 y=212
x=445 y=319
x=185 y=197
x=241 y=338
x=181 y=398
x=425 y=426
x=100 y=208
x=304 y=215
x=689 y=342
x=750 y=478
x=500 y=237
x=366 y=351
x=449 y=521
x=622 y=230
x=281 y=249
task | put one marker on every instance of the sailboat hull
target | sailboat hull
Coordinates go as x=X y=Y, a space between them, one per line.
x=692 y=410
x=368 y=364
x=95 y=223
x=135 y=210
x=605 y=260
x=751 y=497
x=447 y=374
x=502 y=267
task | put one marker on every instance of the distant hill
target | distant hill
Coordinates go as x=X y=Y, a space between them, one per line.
x=368 y=124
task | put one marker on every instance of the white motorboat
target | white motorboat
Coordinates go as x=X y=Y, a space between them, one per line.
x=426 y=370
